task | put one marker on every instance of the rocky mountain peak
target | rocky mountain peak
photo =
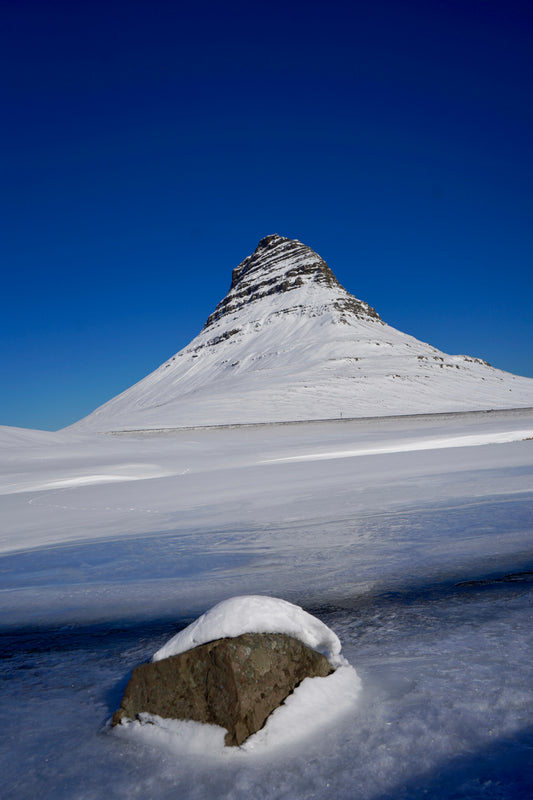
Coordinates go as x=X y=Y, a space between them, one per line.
x=280 y=265
x=288 y=343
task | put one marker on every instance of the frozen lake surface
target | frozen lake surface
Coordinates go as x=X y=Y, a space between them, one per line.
x=411 y=538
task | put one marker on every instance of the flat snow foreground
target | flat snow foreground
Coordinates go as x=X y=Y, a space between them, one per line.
x=419 y=558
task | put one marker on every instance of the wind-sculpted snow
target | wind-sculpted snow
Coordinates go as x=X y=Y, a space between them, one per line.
x=288 y=342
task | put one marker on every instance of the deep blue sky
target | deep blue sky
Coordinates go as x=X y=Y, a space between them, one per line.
x=147 y=147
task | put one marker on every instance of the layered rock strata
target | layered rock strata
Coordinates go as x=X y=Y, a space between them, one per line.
x=279 y=265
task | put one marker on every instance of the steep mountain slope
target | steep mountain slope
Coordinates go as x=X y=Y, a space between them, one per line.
x=288 y=342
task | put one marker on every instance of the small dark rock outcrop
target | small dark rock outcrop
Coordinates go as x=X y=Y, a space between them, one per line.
x=235 y=683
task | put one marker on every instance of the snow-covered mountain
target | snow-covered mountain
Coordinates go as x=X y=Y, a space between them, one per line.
x=288 y=342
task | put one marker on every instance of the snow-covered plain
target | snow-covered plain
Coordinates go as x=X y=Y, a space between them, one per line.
x=418 y=555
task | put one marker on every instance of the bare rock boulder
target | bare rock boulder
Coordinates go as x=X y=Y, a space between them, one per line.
x=235 y=682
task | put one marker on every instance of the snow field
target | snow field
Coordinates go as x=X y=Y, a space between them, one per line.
x=445 y=711
x=419 y=560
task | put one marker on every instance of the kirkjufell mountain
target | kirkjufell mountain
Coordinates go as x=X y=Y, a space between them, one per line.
x=288 y=342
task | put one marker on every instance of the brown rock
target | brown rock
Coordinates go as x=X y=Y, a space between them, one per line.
x=235 y=683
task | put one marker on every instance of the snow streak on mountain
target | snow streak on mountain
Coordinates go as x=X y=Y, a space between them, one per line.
x=288 y=342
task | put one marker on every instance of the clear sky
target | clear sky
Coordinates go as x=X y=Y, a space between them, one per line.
x=147 y=147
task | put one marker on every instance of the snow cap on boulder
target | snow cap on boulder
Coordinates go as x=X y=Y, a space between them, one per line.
x=254 y=614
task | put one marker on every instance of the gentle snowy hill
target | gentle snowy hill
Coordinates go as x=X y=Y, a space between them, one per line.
x=16 y=438
x=288 y=342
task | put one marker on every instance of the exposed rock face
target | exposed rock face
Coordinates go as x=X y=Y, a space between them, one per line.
x=235 y=683
x=280 y=265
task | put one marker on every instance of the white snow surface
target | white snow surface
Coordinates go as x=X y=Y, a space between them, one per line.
x=255 y=614
x=415 y=548
x=410 y=538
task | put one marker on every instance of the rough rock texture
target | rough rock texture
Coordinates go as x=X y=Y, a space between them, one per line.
x=235 y=683
x=279 y=265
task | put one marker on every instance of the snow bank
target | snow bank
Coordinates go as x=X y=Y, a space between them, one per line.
x=255 y=614
x=315 y=705
x=445 y=442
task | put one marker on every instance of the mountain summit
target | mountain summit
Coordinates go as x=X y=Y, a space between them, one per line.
x=279 y=266
x=288 y=342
